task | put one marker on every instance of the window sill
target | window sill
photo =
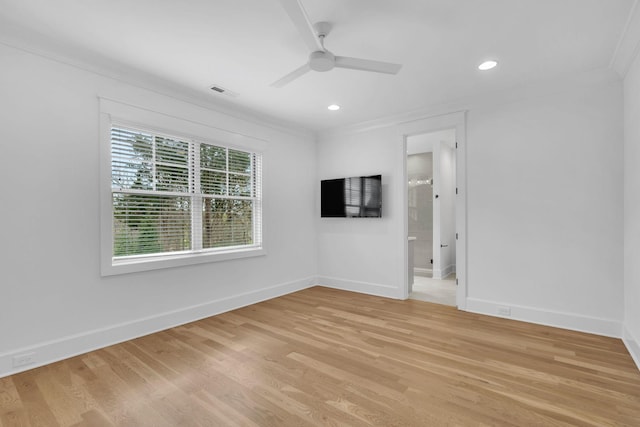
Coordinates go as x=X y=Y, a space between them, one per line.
x=112 y=267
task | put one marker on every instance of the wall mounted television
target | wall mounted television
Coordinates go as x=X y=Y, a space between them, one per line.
x=355 y=197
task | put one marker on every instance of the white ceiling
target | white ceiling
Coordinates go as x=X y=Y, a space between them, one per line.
x=245 y=45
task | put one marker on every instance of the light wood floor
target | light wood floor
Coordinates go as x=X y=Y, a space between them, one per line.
x=328 y=357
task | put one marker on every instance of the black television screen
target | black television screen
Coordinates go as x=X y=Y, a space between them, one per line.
x=356 y=197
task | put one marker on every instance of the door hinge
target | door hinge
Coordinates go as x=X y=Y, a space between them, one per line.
x=431 y=260
x=456 y=144
x=456 y=282
x=456 y=236
x=456 y=190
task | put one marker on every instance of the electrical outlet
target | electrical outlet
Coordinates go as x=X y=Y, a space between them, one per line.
x=24 y=359
x=504 y=311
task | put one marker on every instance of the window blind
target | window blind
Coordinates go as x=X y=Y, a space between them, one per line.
x=173 y=195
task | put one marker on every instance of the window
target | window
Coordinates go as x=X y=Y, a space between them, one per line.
x=174 y=197
x=175 y=188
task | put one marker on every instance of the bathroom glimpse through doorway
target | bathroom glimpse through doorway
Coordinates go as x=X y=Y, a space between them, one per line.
x=431 y=213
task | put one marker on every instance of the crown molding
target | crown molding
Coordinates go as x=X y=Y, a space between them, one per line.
x=566 y=83
x=33 y=43
x=17 y=38
x=629 y=43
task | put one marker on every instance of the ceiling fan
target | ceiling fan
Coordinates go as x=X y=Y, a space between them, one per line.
x=320 y=59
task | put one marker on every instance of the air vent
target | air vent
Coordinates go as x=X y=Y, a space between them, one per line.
x=220 y=89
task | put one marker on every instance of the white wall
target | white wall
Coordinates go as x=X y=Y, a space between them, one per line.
x=632 y=209
x=52 y=298
x=360 y=254
x=544 y=208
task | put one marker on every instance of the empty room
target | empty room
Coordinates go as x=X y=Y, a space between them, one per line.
x=320 y=212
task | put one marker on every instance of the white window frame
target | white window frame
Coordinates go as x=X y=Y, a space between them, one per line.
x=114 y=113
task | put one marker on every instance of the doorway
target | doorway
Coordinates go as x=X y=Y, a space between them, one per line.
x=431 y=216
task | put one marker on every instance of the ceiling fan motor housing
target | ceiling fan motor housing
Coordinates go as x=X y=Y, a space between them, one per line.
x=322 y=60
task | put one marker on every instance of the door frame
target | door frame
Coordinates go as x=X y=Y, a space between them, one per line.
x=457 y=121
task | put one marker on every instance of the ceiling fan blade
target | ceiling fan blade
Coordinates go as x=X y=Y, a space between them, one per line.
x=367 y=65
x=298 y=15
x=292 y=76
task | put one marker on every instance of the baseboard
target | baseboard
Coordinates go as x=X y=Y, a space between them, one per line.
x=361 y=287
x=444 y=272
x=571 y=321
x=418 y=271
x=632 y=344
x=63 y=348
x=451 y=268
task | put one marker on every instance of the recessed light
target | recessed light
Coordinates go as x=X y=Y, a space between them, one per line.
x=487 y=65
x=334 y=107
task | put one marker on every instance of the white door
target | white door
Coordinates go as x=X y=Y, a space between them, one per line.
x=444 y=211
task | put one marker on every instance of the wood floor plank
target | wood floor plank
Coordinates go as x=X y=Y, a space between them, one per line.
x=37 y=408
x=12 y=412
x=323 y=357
